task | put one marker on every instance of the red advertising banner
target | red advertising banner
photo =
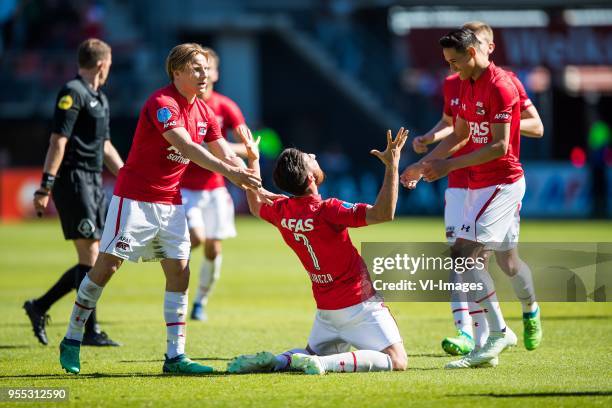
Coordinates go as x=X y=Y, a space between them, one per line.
x=17 y=186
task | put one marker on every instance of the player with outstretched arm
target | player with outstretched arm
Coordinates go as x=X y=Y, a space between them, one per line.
x=146 y=218
x=349 y=311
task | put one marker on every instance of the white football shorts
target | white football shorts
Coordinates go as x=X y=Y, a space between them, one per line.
x=212 y=210
x=454 y=201
x=492 y=215
x=368 y=325
x=149 y=231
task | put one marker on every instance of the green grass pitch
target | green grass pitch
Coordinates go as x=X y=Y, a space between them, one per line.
x=263 y=302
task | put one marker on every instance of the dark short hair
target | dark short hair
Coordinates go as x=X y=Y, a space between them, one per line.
x=460 y=40
x=91 y=51
x=291 y=172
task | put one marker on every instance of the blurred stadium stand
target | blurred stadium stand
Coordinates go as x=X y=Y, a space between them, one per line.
x=330 y=77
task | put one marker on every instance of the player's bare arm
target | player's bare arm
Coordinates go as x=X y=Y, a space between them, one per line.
x=384 y=208
x=55 y=154
x=252 y=150
x=441 y=130
x=448 y=146
x=222 y=150
x=500 y=134
x=531 y=124
x=112 y=160
x=242 y=177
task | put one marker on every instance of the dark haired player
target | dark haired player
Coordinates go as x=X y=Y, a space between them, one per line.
x=80 y=144
x=349 y=312
x=489 y=120
x=468 y=317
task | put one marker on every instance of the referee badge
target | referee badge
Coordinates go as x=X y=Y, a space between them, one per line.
x=86 y=227
x=65 y=102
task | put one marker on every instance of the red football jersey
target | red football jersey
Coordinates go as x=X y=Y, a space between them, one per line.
x=317 y=232
x=451 y=89
x=228 y=116
x=492 y=98
x=154 y=167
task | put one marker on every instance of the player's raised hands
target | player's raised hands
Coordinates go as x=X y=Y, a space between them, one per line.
x=390 y=157
x=252 y=146
x=411 y=175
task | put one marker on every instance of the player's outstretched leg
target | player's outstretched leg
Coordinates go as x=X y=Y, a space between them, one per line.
x=262 y=362
x=351 y=362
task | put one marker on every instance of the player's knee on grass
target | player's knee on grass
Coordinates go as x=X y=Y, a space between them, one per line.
x=212 y=248
x=399 y=363
x=399 y=358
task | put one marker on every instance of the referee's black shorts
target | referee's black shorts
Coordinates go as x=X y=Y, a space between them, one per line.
x=80 y=202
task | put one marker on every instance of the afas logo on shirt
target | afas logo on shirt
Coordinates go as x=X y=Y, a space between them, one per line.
x=297 y=225
x=502 y=116
x=479 y=132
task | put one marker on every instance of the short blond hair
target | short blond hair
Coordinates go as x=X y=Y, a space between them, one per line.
x=181 y=55
x=91 y=51
x=480 y=27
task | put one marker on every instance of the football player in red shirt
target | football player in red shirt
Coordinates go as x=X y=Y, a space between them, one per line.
x=489 y=123
x=349 y=312
x=208 y=204
x=466 y=315
x=146 y=219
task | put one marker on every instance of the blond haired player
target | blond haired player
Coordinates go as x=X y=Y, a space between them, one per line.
x=146 y=218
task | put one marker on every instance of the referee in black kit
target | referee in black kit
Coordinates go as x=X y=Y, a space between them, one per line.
x=79 y=145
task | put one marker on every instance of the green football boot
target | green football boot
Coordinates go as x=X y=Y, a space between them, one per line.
x=310 y=365
x=262 y=362
x=183 y=365
x=532 y=329
x=70 y=355
x=461 y=345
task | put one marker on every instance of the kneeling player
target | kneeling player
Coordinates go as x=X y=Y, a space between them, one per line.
x=349 y=312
